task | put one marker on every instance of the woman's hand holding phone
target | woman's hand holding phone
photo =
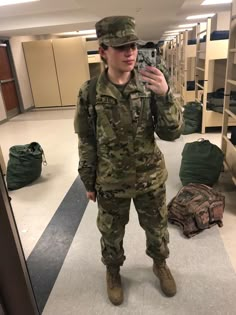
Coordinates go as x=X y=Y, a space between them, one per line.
x=155 y=80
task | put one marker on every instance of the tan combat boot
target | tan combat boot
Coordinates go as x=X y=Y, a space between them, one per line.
x=167 y=281
x=114 y=286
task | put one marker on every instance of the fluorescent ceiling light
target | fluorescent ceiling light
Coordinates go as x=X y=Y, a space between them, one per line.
x=188 y=25
x=171 y=34
x=174 y=31
x=91 y=36
x=201 y=16
x=211 y=2
x=178 y=30
x=10 y=2
x=167 y=35
x=85 y=32
x=88 y=33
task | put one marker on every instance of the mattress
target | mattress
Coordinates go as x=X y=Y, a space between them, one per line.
x=215 y=101
x=216 y=35
x=194 y=41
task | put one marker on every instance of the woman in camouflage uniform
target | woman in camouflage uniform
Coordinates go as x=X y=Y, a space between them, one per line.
x=120 y=160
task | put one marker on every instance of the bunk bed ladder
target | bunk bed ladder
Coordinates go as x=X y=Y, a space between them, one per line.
x=204 y=70
x=184 y=71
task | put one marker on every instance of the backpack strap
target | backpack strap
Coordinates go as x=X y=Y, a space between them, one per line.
x=92 y=100
x=92 y=91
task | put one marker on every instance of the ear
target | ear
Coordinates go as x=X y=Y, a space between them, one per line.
x=102 y=52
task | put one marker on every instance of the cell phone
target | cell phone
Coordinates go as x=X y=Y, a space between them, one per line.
x=146 y=57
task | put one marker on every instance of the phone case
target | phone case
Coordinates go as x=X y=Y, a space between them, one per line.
x=146 y=57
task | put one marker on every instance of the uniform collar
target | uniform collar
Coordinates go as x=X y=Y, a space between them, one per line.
x=105 y=87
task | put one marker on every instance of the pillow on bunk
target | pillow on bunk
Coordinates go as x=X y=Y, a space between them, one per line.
x=218 y=108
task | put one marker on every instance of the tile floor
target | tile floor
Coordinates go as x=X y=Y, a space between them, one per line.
x=35 y=205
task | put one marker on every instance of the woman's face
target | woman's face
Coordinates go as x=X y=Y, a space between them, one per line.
x=120 y=59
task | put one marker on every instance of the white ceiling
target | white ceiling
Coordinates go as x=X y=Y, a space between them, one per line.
x=153 y=17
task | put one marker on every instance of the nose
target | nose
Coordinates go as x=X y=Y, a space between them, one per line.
x=128 y=50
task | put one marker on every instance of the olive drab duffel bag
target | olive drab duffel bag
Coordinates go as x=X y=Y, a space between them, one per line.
x=192 y=118
x=201 y=163
x=24 y=165
x=196 y=207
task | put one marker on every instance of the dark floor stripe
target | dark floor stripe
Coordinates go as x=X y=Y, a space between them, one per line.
x=47 y=257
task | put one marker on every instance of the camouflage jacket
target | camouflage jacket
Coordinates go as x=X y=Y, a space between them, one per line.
x=121 y=158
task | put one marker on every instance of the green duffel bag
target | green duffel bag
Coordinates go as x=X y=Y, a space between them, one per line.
x=24 y=165
x=201 y=163
x=192 y=118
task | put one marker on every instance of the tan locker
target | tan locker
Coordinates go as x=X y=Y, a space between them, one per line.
x=72 y=67
x=42 y=73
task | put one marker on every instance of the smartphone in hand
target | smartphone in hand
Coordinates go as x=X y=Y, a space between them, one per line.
x=146 y=57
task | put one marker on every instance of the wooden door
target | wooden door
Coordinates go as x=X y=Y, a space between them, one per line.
x=8 y=84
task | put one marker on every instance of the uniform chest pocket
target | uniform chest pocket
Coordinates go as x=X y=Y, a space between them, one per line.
x=108 y=120
x=147 y=113
x=141 y=108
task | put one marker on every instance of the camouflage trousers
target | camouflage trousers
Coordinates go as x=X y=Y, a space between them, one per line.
x=113 y=215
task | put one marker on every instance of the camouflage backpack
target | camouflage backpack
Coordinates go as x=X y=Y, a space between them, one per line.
x=195 y=208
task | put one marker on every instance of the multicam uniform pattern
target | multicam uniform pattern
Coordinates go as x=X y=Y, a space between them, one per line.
x=116 y=31
x=122 y=161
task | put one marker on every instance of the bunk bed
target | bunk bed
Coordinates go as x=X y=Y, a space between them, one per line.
x=210 y=50
x=177 y=66
x=188 y=55
x=229 y=145
x=171 y=63
x=171 y=57
x=188 y=61
x=168 y=55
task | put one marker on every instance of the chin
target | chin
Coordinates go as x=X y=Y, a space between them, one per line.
x=128 y=68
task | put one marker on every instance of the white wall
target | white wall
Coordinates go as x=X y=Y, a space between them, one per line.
x=21 y=69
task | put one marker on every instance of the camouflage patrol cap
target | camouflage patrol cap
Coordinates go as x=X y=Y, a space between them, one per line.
x=116 y=31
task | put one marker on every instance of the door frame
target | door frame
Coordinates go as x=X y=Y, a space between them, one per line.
x=5 y=40
x=17 y=296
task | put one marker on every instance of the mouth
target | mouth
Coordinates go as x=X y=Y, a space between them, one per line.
x=129 y=62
